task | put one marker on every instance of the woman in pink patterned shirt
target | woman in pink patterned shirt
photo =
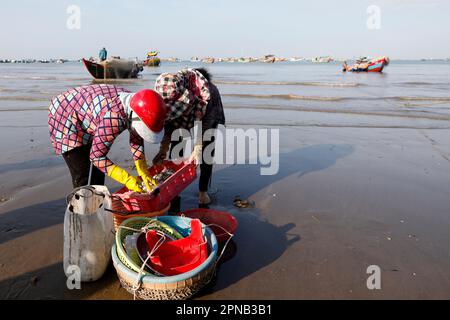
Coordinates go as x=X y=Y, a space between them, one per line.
x=85 y=121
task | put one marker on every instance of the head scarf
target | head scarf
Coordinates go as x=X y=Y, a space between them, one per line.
x=186 y=94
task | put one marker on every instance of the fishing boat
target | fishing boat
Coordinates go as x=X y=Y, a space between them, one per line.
x=152 y=60
x=113 y=68
x=208 y=60
x=366 y=65
x=325 y=59
x=171 y=59
x=270 y=58
x=244 y=60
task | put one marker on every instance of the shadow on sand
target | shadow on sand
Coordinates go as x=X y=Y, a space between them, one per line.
x=258 y=243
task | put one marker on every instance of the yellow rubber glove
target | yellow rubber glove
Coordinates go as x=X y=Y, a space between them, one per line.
x=142 y=169
x=120 y=175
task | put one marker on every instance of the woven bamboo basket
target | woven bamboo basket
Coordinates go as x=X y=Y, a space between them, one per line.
x=179 y=287
x=120 y=214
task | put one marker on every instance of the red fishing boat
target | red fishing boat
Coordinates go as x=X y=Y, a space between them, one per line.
x=365 y=65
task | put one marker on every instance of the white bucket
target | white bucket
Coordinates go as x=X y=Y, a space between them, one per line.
x=88 y=232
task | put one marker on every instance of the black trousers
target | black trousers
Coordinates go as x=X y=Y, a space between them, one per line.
x=205 y=171
x=79 y=165
x=205 y=168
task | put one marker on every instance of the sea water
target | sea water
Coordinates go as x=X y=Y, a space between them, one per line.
x=411 y=94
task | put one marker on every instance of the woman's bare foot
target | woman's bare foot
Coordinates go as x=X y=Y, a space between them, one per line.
x=203 y=198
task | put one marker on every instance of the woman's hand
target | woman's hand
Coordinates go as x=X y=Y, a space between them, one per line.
x=196 y=155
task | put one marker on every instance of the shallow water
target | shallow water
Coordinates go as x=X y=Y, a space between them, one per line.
x=405 y=92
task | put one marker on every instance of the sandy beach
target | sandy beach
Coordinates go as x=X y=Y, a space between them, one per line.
x=332 y=150
x=344 y=198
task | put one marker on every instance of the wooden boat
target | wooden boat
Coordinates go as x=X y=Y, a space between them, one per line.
x=208 y=60
x=113 y=69
x=270 y=58
x=364 y=65
x=152 y=62
x=172 y=59
x=326 y=59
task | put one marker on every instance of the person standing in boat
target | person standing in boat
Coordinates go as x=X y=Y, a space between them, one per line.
x=84 y=122
x=103 y=54
x=191 y=96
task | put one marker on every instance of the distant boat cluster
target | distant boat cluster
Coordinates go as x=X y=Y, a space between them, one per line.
x=33 y=61
x=270 y=58
x=267 y=59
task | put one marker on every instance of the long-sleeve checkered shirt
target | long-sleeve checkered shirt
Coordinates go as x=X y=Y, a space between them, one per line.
x=186 y=94
x=91 y=115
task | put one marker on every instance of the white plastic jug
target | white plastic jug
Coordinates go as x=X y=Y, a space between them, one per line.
x=88 y=232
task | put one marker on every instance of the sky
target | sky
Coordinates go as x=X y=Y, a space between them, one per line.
x=409 y=29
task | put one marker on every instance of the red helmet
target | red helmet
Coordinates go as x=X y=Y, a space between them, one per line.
x=150 y=108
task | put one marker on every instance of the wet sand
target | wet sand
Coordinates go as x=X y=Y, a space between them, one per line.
x=344 y=198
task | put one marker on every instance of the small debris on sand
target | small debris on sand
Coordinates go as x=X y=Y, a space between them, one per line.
x=239 y=203
x=34 y=280
x=3 y=199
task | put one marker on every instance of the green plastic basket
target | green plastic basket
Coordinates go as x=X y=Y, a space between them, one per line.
x=133 y=261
